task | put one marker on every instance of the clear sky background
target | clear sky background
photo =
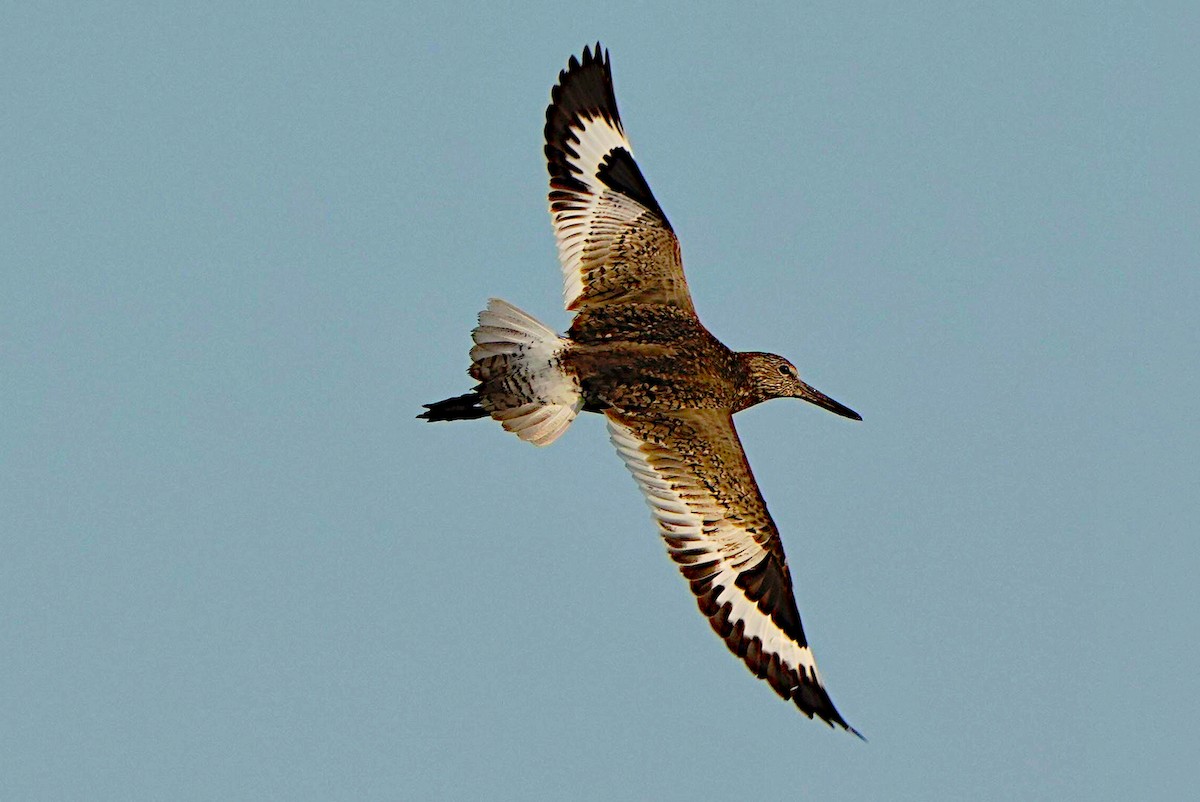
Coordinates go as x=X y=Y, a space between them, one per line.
x=239 y=247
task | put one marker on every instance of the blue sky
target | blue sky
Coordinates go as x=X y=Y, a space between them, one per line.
x=240 y=248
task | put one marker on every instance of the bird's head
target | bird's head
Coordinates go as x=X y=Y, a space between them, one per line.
x=772 y=376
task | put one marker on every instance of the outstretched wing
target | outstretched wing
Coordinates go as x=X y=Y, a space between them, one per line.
x=614 y=241
x=691 y=467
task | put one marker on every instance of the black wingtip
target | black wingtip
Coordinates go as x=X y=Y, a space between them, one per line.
x=594 y=54
x=832 y=717
x=584 y=88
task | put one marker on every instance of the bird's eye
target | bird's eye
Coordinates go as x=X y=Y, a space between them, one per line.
x=786 y=370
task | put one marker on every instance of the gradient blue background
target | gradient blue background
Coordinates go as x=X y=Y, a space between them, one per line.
x=239 y=247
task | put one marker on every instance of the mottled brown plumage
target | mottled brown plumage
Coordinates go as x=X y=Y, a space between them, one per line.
x=637 y=353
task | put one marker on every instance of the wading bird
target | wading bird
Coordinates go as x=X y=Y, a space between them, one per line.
x=637 y=353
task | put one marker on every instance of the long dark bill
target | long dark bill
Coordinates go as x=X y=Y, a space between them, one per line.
x=814 y=396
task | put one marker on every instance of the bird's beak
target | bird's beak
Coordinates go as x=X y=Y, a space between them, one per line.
x=813 y=396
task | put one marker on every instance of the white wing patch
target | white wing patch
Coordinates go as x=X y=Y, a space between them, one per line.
x=594 y=217
x=686 y=513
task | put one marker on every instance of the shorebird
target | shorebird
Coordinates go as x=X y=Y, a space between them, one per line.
x=637 y=353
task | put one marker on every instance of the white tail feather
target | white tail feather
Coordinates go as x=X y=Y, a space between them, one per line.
x=523 y=385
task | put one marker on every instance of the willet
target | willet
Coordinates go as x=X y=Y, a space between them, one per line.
x=637 y=353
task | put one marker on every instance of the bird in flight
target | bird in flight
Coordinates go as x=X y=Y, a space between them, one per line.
x=637 y=353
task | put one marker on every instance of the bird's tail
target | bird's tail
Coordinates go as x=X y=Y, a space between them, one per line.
x=461 y=407
x=522 y=380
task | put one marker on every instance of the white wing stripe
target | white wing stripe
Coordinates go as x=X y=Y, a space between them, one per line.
x=597 y=136
x=597 y=211
x=733 y=549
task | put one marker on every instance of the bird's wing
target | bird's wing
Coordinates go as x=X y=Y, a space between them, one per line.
x=693 y=472
x=614 y=241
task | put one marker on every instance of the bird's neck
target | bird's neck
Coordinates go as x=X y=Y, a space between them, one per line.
x=748 y=391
